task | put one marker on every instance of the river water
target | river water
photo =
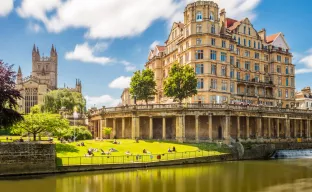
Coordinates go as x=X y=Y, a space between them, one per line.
x=294 y=175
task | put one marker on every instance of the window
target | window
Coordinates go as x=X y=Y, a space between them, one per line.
x=239 y=40
x=257 y=67
x=247 y=77
x=247 y=53
x=231 y=47
x=213 y=41
x=199 y=16
x=292 y=81
x=186 y=57
x=287 y=82
x=307 y=104
x=211 y=16
x=199 y=54
x=212 y=98
x=223 y=71
x=198 y=28
x=279 y=58
x=279 y=93
x=213 y=84
x=213 y=69
x=293 y=95
x=244 y=42
x=249 y=43
x=257 y=55
x=232 y=60
x=232 y=87
x=223 y=56
x=232 y=74
x=213 y=29
x=266 y=68
x=244 y=29
x=286 y=70
x=279 y=80
x=238 y=75
x=256 y=79
x=286 y=60
x=258 y=45
x=213 y=55
x=198 y=41
x=200 y=83
x=291 y=70
x=238 y=63
x=247 y=65
x=199 y=69
x=254 y=44
x=224 y=85
x=278 y=69
x=223 y=44
x=266 y=57
x=249 y=31
x=286 y=93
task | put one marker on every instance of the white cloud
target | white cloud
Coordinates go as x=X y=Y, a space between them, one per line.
x=6 y=6
x=85 y=53
x=34 y=27
x=100 y=46
x=152 y=46
x=128 y=66
x=120 y=83
x=99 y=102
x=307 y=61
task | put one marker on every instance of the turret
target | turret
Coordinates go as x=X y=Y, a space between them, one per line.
x=78 y=85
x=19 y=76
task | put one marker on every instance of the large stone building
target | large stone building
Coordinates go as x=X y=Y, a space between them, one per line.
x=233 y=61
x=304 y=99
x=43 y=78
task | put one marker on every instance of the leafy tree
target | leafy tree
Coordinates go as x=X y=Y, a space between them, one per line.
x=8 y=96
x=142 y=85
x=35 y=123
x=181 y=83
x=107 y=130
x=80 y=132
x=55 y=100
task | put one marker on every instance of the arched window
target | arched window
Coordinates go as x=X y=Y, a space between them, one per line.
x=213 y=29
x=211 y=16
x=199 y=16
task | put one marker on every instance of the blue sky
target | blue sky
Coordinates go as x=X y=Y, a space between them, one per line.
x=103 y=42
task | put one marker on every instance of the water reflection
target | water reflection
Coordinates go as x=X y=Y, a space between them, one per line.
x=249 y=176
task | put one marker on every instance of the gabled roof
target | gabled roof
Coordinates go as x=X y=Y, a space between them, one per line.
x=230 y=22
x=271 y=38
x=161 y=48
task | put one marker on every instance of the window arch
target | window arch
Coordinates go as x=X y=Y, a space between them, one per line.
x=199 y=16
x=211 y=16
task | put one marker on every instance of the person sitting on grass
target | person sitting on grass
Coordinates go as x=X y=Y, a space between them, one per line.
x=173 y=149
x=113 y=150
x=169 y=150
x=90 y=153
x=144 y=151
x=104 y=153
x=127 y=153
x=82 y=144
x=21 y=139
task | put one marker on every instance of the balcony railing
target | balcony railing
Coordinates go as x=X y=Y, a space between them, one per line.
x=253 y=81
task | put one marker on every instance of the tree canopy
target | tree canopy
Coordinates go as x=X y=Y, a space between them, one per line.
x=57 y=99
x=8 y=96
x=35 y=123
x=181 y=83
x=143 y=85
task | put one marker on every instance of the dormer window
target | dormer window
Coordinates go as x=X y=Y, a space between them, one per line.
x=199 y=16
x=211 y=16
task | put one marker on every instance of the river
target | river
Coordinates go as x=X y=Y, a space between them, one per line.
x=245 y=176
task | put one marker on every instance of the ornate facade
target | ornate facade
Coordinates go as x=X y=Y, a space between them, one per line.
x=234 y=62
x=43 y=79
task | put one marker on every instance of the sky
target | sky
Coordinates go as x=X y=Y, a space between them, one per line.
x=102 y=42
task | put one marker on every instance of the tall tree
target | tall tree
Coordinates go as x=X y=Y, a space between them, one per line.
x=36 y=122
x=142 y=85
x=57 y=99
x=181 y=83
x=8 y=96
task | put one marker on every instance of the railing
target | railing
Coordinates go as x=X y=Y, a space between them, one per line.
x=128 y=159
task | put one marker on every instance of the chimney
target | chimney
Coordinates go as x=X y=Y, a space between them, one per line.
x=262 y=34
x=223 y=17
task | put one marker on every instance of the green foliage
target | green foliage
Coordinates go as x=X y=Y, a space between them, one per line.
x=57 y=99
x=80 y=132
x=107 y=130
x=36 y=123
x=35 y=109
x=142 y=85
x=181 y=83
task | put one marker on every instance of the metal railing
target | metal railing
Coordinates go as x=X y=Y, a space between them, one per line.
x=134 y=158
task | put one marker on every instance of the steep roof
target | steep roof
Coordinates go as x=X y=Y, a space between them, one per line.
x=271 y=38
x=161 y=48
x=230 y=22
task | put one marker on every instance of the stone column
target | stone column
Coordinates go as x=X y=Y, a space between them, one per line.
x=247 y=127
x=180 y=128
x=295 y=127
x=196 y=128
x=269 y=128
x=101 y=129
x=150 y=127
x=114 y=128
x=137 y=127
x=259 y=127
x=301 y=128
x=134 y=127
x=123 y=128
x=238 y=127
x=210 y=127
x=164 y=128
x=277 y=128
x=287 y=134
x=307 y=129
x=227 y=126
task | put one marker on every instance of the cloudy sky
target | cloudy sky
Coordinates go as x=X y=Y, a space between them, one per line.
x=103 y=41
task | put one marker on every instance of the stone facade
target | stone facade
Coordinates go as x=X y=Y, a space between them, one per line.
x=26 y=158
x=233 y=61
x=43 y=78
x=304 y=99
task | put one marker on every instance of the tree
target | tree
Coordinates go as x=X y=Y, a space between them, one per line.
x=35 y=123
x=107 y=130
x=142 y=85
x=181 y=83
x=80 y=132
x=55 y=100
x=8 y=96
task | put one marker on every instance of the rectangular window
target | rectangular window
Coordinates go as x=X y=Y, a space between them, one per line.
x=286 y=93
x=223 y=44
x=213 y=84
x=247 y=65
x=223 y=56
x=213 y=41
x=287 y=82
x=214 y=69
x=232 y=87
x=257 y=55
x=224 y=85
x=279 y=58
x=232 y=60
x=249 y=43
x=256 y=79
x=223 y=71
x=248 y=31
x=266 y=57
x=257 y=67
x=199 y=16
x=279 y=93
x=213 y=55
x=238 y=75
x=286 y=60
x=255 y=44
x=279 y=79
x=198 y=28
x=278 y=69
x=200 y=83
x=258 y=45
x=286 y=70
x=199 y=54
x=238 y=63
x=291 y=70
x=198 y=41
x=238 y=51
x=231 y=47
x=247 y=77
x=199 y=69
x=232 y=73
x=266 y=68
x=213 y=99
x=247 y=54
x=244 y=42
x=292 y=81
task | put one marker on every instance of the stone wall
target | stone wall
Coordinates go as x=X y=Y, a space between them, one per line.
x=26 y=158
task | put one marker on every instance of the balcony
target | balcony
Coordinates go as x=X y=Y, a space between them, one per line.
x=254 y=95
x=254 y=82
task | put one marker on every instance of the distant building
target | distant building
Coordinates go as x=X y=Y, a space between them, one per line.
x=304 y=99
x=43 y=78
